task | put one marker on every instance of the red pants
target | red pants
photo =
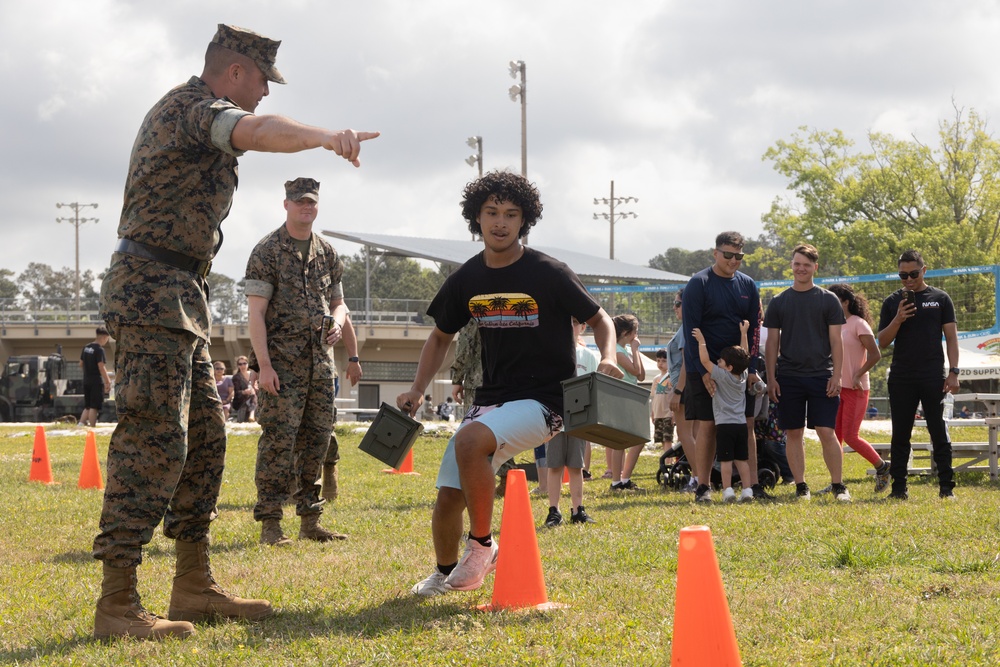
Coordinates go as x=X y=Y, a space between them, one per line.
x=853 y=403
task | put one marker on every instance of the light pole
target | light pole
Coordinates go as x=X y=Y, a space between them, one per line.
x=477 y=143
x=516 y=67
x=611 y=216
x=77 y=221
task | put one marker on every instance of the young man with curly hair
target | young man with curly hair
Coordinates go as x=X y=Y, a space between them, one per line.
x=523 y=302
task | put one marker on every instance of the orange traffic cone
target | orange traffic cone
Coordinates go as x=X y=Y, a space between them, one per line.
x=565 y=475
x=405 y=468
x=90 y=471
x=703 y=628
x=41 y=468
x=519 y=582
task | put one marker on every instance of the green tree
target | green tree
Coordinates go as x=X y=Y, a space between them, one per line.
x=392 y=277
x=44 y=288
x=861 y=208
x=225 y=298
x=8 y=288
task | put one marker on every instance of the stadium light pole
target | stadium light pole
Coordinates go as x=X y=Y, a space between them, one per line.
x=477 y=143
x=515 y=91
x=77 y=221
x=611 y=216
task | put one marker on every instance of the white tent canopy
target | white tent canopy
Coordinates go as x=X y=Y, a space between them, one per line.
x=978 y=357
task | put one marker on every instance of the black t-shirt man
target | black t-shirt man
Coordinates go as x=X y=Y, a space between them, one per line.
x=92 y=356
x=524 y=313
x=917 y=353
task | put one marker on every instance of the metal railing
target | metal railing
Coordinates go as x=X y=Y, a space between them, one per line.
x=411 y=312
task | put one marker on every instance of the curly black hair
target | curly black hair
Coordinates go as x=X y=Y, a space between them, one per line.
x=506 y=186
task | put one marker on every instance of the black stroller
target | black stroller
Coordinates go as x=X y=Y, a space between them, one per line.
x=676 y=474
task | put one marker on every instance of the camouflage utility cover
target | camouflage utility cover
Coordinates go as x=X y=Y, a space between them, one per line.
x=183 y=174
x=299 y=293
x=256 y=47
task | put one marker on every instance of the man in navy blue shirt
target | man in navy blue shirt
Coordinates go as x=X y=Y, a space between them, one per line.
x=716 y=300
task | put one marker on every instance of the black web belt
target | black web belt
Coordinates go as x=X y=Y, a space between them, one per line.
x=164 y=256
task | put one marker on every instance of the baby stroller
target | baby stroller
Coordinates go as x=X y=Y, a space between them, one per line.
x=675 y=474
x=771 y=461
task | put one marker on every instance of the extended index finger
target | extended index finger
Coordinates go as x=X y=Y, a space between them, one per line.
x=365 y=136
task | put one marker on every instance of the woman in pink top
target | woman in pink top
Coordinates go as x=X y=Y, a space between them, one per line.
x=861 y=353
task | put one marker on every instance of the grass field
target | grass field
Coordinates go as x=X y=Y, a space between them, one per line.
x=818 y=583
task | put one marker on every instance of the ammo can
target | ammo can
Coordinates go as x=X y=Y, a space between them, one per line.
x=606 y=411
x=391 y=435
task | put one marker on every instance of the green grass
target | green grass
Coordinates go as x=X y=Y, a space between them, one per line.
x=818 y=583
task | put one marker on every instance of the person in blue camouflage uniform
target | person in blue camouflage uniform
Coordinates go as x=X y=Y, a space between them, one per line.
x=293 y=280
x=167 y=453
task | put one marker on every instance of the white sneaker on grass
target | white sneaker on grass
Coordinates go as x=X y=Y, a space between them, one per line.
x=746 y=496
x=728 y=495
x=431 y=586
x=472 y=568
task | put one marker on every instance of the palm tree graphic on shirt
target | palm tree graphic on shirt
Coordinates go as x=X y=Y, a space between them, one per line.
x=504 y=310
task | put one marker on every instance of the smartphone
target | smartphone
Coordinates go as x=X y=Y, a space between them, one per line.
x=908 y=296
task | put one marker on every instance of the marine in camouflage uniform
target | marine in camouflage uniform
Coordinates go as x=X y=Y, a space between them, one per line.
x=467 y=370
x=467 y=374
x=292 y=283
x=167 y=453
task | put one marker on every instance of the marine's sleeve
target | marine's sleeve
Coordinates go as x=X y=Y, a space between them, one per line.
x=261 y=276
x=336 y=277
x=210 y=122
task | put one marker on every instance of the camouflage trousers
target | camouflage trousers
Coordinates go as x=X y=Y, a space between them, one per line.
x=295 y=437
x=167 y=453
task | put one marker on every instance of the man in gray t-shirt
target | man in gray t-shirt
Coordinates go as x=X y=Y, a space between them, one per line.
x=803 y=355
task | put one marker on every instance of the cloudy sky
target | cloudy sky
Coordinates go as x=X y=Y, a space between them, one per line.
x=674 y=101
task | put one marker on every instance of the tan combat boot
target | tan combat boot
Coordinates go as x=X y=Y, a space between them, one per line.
x=196 y=596
x=270 y=534
x=330 y=481
x=311 y=530
x=120 y=612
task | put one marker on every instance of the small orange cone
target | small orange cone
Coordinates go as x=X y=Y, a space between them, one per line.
x=405 y=468
x=703 y=628
x=41 y=468
x=90 y=471
x=565 y=475
x=518 y=583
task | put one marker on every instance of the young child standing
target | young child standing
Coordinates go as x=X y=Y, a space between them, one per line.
x=728 y=406
x=659 y=403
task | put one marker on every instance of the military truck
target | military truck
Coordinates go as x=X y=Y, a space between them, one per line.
x=43 y=389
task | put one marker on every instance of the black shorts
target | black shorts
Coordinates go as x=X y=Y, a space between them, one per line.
x=697 y=401
x=731 y=442
x=93 y=396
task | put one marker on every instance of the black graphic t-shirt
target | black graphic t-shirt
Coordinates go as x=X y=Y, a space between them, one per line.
x=917 y=353
x=91 y=356
x=524 y=313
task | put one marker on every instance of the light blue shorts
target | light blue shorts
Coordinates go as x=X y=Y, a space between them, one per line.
x=517 y=426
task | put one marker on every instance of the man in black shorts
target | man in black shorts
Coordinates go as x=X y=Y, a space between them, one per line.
x=96 y=382
x=803 y=354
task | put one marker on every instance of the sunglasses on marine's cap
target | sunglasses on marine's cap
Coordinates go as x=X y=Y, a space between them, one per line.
x=913 y=275
x=731 y=255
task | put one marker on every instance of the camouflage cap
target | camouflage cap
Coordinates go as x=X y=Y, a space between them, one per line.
x=256 y=47
x=302 y=188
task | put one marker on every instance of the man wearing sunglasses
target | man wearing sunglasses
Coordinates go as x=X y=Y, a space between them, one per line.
x=716 y=300
x=915 y=317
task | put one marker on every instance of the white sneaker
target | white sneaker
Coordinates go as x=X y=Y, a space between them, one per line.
x=844 y=496
x=691 y=486
x=475 y=564
x=728 y=495
x=431 y=586
x=746 y=496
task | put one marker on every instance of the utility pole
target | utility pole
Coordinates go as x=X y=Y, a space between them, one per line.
x=611 y=216
x=77 y=221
